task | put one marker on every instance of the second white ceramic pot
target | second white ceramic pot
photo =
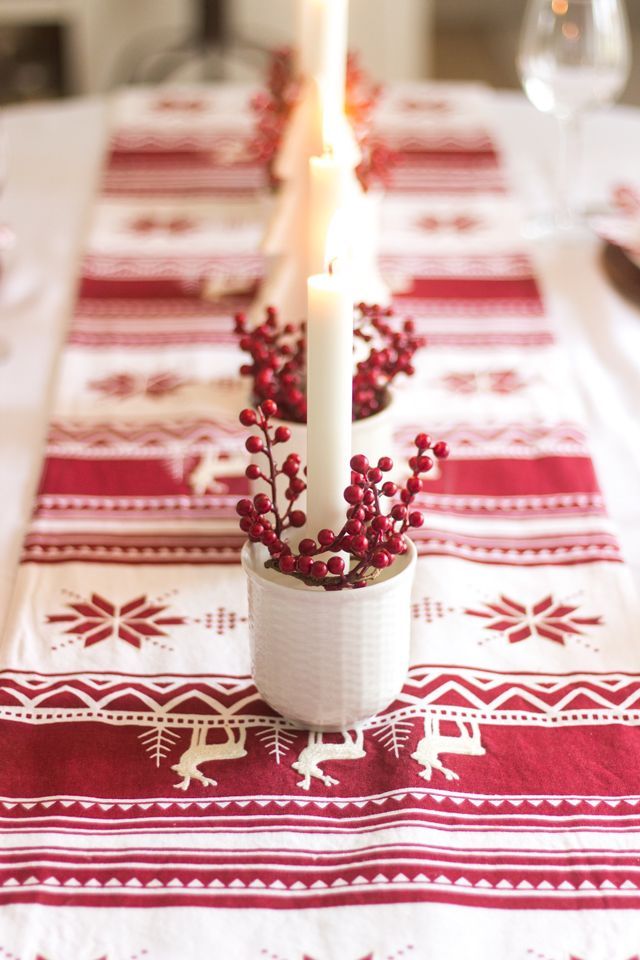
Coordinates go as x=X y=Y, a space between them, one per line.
x=328 y=660
x=372 y=436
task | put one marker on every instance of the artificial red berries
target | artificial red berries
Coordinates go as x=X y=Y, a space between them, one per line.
x=371 y=537
x=278 y=366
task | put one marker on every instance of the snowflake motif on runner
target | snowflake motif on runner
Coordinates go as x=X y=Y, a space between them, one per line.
x=123 y=386
x=154 y=224
x=398 y=955
x=430 y=610
x=535 y=955
x=369 y=956
x=462 y=223
x=7 y=955
x=94 y=620
x=136 y=956
x=180 y=105
x=549 y=619
x=41 y=957
x=222 y=621
x=502 y=382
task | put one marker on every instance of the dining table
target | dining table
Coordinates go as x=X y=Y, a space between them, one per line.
x=151 y=803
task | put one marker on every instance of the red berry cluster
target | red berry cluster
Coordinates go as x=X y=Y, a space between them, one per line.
x=391 y=350
x=254 y=514
x=273 y=107
x=371 y=537
x=278 y=360
x=361 y=98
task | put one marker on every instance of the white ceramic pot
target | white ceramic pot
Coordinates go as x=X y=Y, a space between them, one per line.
x=328 y=660
x=372 y=436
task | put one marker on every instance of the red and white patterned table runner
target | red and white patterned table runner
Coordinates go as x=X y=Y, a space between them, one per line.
x=493 y=809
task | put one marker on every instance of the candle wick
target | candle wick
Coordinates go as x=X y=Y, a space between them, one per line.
x=332 y=266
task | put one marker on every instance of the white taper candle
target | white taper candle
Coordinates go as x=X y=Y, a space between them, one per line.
x=321 y=36
x=329 y=179
x=332 y=44
x=329 y=399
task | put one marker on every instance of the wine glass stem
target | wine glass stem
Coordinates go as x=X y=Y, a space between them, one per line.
x=567 y=173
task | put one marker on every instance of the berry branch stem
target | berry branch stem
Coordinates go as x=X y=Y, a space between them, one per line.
x=263 y=423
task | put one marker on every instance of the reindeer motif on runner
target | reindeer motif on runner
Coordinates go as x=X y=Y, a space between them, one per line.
x=163 y=705
x=199 y=751
x=466 y=743
x=204 y=476
x=317 y=752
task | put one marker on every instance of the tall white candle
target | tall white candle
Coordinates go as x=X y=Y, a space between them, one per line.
x=329 y=388
x=322 y=31
x=328 y=194
x=332 y=67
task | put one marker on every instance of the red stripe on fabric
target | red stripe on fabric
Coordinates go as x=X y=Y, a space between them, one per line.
x=145 y=289
x=503 y=477
x=625 y=900
x=483 y=477
x=517 y=758
x=122 y=478
x=463 y=288
x=196 y=159
x=447 y=157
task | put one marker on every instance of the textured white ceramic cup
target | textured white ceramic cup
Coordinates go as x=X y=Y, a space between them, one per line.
x=328 y=660
x=372 y=436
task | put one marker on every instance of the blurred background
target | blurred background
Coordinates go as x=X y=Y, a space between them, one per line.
x=55 y=48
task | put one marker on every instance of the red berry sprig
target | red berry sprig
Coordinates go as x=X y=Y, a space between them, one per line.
x=278 y=360
x=391 y=351
x=254 y=514
x=273 y=107
x=379 y=512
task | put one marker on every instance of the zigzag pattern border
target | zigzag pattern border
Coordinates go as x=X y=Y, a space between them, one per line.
x=540 y=692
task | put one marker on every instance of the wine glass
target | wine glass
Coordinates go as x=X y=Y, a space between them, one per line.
x=573 y=55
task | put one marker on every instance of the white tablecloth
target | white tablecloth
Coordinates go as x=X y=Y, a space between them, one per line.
x=54 y=153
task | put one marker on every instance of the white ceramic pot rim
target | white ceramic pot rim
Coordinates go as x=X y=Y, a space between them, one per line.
x=403 y=565
x=384 y=411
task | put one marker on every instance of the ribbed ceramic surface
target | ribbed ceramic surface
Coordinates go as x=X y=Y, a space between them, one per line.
x=330 y=660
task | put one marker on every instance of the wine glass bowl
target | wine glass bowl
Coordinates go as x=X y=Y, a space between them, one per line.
x=574 y=55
